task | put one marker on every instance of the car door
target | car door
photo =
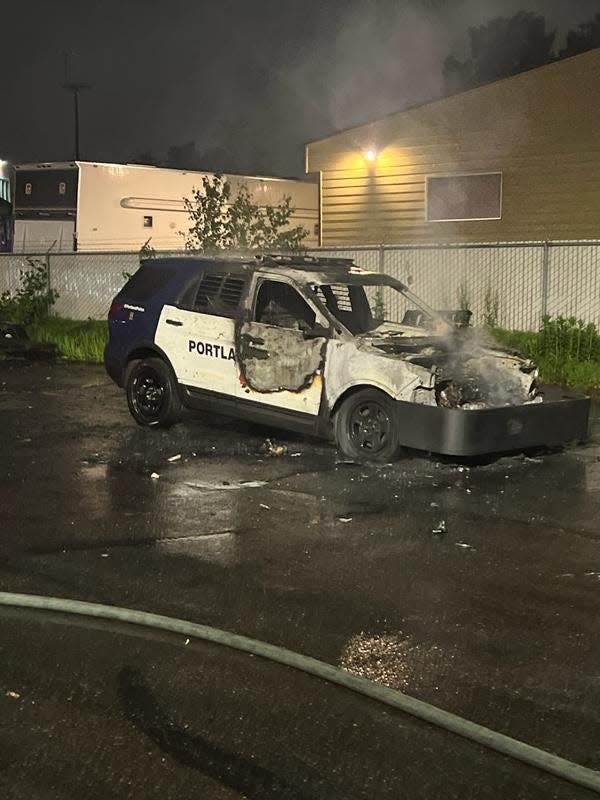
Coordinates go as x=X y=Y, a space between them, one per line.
x=199 y=340
x=281 y=348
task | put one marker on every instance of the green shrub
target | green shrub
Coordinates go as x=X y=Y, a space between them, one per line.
x=32 y=301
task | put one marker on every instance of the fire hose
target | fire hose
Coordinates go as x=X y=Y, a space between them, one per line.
x=499 y=742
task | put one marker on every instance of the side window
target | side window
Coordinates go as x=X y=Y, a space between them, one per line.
x=144 y=283
x=220 y=294
x=280 y=304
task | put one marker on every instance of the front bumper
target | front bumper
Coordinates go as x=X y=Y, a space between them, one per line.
x=560 y=419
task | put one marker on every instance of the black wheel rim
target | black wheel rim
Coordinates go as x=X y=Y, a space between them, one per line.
x=369 y=427
x=148 y=395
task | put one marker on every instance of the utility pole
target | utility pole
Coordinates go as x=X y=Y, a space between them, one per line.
x=75 y=87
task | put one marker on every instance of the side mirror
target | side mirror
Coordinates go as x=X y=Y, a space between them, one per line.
x=317 y=332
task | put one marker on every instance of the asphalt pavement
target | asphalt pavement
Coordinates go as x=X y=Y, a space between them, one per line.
x=273 y=536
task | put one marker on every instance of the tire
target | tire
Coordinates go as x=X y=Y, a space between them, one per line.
x=365 y=427
x=152 y=394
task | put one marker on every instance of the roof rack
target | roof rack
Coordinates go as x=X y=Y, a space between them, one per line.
x=304 y=261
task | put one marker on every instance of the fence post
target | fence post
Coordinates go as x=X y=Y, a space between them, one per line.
x=545 y=277
x=381 y=261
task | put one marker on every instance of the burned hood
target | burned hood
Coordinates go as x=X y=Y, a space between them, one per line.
x=435 y=350
x=471 y=371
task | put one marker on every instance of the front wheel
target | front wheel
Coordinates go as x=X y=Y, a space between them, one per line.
x=152 y=394
x=365 y=426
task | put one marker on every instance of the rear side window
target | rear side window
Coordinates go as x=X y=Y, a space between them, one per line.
x=146 y=282
x=219 y=294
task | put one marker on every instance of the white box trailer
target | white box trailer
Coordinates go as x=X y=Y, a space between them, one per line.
x=5 y=204
x=91 y=207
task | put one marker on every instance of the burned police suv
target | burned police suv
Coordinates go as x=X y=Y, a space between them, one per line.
x=320 y=346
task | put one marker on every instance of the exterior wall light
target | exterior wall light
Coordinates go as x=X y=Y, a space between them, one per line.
x=370 y=154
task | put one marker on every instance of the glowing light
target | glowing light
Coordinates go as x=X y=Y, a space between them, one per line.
x=370 y=154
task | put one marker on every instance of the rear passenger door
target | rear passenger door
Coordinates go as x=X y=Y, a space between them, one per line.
x=199 y=339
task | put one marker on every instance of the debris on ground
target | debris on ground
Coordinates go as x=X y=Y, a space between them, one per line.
x=224 y=485
x=433 y=504
x=440 y=528
x=464 y=545
x=345 y=519
x=273 y=449
x=295 y=455
x=174 y=458
x=15 y=343
x=264 y=505
x=155 y=476
x=14 y=695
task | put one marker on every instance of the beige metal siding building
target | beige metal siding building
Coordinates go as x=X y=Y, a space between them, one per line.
x=518 y=159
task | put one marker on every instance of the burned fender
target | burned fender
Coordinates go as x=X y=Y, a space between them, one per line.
x=350 y=364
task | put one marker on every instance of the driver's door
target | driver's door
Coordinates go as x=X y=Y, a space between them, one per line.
x=282 y=345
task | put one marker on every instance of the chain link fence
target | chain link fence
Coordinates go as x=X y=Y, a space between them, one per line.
x=511 y=284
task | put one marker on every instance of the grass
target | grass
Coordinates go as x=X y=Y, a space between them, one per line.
x=76 y=340
x=561 y=368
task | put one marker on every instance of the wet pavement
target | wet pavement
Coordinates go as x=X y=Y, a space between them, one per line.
x=268 y=535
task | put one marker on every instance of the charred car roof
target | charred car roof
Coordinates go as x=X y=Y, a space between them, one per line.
x=309 y=269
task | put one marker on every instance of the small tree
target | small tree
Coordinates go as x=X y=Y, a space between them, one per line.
x=220 y=222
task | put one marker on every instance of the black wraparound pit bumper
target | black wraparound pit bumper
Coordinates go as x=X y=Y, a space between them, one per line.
x=560 y=419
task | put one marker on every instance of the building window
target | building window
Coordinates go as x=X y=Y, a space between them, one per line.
x=62 y=188
x=453 y=198
x=4 y=189
x=28 y=188
x=147 y=222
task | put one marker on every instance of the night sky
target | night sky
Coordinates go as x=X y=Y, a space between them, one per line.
x=257 y=78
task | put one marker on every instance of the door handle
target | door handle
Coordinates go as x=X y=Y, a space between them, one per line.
x=174 y=322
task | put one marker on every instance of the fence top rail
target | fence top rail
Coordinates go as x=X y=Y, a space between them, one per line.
x=367 y=248
x=461 y=245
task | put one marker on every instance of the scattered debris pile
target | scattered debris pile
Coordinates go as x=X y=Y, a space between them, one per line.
x=15 y=343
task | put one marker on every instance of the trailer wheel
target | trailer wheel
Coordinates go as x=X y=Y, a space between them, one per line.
x=365 y=426
x=152 y=394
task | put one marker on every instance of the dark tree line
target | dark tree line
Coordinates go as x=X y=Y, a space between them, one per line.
x=507 y=45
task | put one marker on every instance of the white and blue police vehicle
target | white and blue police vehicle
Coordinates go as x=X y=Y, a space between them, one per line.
x=300 y=342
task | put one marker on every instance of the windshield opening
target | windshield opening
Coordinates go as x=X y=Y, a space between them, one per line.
x=362 y=308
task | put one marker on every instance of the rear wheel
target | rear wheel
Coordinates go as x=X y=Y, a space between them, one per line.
x=152 y=393
x=365 y=426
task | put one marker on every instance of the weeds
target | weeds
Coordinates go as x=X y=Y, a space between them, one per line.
x=491 y=307
x=567 y=350
x=463 y=296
